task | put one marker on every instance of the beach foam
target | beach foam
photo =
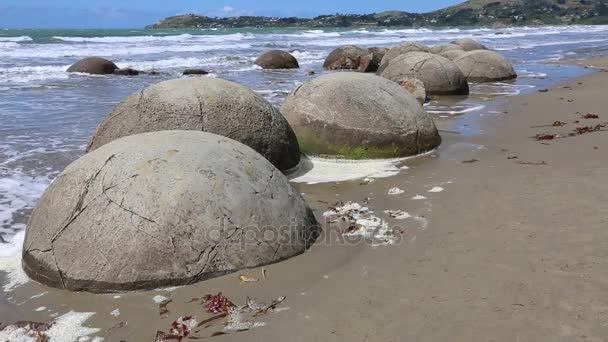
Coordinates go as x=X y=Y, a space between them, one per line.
x=66 y=328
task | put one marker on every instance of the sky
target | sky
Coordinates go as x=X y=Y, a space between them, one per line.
x=139 y=13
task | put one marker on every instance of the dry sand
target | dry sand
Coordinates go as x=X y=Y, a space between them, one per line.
x=512 y=252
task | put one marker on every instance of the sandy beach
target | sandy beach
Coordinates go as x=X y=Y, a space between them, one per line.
x=500 y=237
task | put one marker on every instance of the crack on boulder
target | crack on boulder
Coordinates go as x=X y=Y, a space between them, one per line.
x=80 y=206
x=58 y=269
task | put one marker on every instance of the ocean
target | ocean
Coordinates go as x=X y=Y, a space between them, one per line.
x=48 y=115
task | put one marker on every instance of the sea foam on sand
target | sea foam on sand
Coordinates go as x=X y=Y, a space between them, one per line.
x=66 y=328
x=325 y=170
x=10 y=263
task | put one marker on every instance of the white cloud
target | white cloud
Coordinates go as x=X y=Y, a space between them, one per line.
x=228 y=9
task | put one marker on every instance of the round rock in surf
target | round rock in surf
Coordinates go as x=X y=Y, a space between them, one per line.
x=439 y=75
x=277 y=59
x=209 y=105
x=164 y=209
x=94 y=66
x=485 y=66
x=359 y=116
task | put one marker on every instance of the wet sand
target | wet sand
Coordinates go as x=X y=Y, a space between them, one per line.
x=515 y=248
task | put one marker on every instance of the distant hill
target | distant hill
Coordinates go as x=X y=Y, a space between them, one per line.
x=469 y=13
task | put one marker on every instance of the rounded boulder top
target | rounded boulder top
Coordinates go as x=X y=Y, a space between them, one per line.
x=204 y=104
x=452 y=54
x=439 y=49
x=94 y=66
x=346 y=57
x=277 y=59
x=439 y=75
x=485 y=66
x=468 y=44
x=401 y=49
x=164 y=209
x=359 y=116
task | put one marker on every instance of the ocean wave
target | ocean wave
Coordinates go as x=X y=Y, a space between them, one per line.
x=150 y=39
x=32 y=73
x=109 y=50
x=16 y=39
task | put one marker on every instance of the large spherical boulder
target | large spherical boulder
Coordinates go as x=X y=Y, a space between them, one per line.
x=359 y=116
x=93 y=65
x=345 y=57
x=164 y=209
x=452 y=54
x=468 y=44
x=439 y=49
x=439 y=75
x=277 y=59
x=209 y=105
x=399 y=50
x=485 y=66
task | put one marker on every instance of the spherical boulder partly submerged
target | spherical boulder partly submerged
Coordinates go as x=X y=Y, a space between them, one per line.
x=359 y=116
x=164 y=209
x=485 y=66
x=94 y=66
x=209 y=105
x=345 y=58
x=439 y=75
x=277 y=59
x=468 y=44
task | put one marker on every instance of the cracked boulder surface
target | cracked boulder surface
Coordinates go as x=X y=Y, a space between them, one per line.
x=164 y=209
x=277 y=59
x=439 y=75
x=485 y=66
x=468 y=44
x=359 y=116
x=345 y=58
x=93 y=65
x=204 y=104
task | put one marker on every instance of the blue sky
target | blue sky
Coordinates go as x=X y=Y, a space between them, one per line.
x=138 y=13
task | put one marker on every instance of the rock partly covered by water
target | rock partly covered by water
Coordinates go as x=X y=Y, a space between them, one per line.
x=209 y=105
x=439 y=75
x=93 y=65
x=485 y=66
x=345 y=57
x=164 y=209
x=468 y=44
x=359 y=116
x=277 y=59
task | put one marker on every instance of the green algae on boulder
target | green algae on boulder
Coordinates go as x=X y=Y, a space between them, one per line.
x=359 y=116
